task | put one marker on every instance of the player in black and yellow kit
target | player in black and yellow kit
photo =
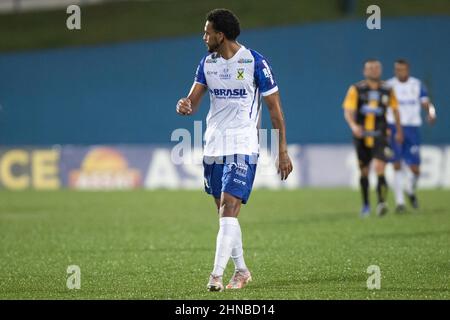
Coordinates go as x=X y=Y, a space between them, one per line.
x=365 y=109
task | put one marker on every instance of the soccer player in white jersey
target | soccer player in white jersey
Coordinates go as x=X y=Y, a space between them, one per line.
x=235 y=78
x=412 y=96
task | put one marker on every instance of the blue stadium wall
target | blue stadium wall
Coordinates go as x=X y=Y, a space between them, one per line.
x=126 y=93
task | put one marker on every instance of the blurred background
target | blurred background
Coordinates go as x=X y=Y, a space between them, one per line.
x=95 y=108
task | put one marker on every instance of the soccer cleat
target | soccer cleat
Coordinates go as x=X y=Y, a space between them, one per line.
x=240 y=279
x=382 y=209
x=413 y=200
x=400 y=208
x=215 y=283
x=365 y=211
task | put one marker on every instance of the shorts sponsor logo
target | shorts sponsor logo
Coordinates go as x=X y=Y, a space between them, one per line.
x=239 y=181
x=240 y=169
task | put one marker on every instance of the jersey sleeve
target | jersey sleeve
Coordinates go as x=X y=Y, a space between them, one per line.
x=263 y=75
x=351 y=99
x=423 y=96
x=393 y=102
x=200 y=73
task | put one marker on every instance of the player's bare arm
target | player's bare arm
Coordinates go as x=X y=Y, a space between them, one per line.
x=399 y=133
x=349 y=116
x=276 y=115
x=189 y=105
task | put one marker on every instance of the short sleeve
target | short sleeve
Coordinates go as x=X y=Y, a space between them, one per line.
x=423 y=93
x=351 y=99
x=200 y=73
x=263 y=75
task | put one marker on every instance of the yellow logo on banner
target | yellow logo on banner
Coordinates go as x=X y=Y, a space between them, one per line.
x=104 y=168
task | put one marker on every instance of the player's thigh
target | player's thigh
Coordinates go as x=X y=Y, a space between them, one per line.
x=363 y=154
x=380 y=155
x=212 y=175
x=411 y=146
x=238 y=176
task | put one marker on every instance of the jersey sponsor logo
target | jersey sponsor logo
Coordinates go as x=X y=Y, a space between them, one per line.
x=408 y=101
x=367 y=109
x=210 y=60
x=229 y=93
x=240 y=74
x=267 y=72
x=225 y=75
x=242 y=60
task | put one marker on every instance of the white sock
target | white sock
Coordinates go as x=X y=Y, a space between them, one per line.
x=398 y=187
x=237 y=254
x=411 y=186
x=226 y=240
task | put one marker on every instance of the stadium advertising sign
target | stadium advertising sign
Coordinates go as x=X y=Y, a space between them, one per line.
x=124 y=167
x=24 y=168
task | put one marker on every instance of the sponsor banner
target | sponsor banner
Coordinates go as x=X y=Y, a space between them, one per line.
x=123 y=167
x=30 y=167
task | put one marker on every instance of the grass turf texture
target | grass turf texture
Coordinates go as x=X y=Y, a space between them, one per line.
x=305 y=244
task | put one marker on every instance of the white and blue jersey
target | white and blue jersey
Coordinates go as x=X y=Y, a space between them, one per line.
x=410 y=95
x=231 y=139
x=235 y=87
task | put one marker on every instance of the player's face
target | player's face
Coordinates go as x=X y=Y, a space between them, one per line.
x=212 y=38
x=372 y=70
x=401 y=71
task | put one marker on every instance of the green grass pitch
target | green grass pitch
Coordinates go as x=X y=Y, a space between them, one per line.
x=303 y=244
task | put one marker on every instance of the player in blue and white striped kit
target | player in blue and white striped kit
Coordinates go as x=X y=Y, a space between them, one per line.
x=236 y=78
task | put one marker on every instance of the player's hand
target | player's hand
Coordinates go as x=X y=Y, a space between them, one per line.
x=431 y=117
x=284 y=165
x=399 y=136
x=184 y=106
x=357 y=131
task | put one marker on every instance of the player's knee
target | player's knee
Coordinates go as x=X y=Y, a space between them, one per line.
x=364 y=171
x=229 y=206
x=415 y=170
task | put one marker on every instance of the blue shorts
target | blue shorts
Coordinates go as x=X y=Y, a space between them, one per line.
x=409 y=149
x=231 y=174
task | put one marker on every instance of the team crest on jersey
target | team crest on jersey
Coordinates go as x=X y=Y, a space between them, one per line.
x=240 y=74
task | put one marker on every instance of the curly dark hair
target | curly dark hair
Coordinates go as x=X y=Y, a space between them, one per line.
x=225 y=21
